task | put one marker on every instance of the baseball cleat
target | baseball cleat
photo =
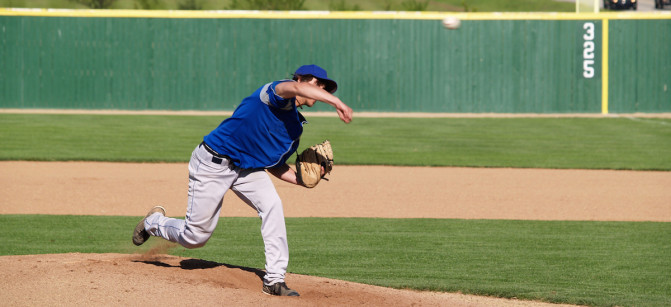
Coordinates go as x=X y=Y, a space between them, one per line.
x=140 y=235
x=279 y=289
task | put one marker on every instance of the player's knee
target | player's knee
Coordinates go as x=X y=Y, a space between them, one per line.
x=194 y=238
x=191 y=245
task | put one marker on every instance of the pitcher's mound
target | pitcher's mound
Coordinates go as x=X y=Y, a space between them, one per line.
x=162 y=280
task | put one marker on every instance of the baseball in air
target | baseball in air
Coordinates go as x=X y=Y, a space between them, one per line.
x=451 y=22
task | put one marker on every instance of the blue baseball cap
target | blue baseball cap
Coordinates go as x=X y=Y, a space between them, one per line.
x=319 y=73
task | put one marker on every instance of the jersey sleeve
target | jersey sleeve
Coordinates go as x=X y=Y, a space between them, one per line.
x=269 y=97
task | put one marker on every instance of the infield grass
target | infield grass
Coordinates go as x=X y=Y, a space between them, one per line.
x=580 y=143
x=592 y=263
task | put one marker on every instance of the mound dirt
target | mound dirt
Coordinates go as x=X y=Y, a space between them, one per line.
x=163 y=280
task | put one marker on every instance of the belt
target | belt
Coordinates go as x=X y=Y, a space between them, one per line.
x=216 y=157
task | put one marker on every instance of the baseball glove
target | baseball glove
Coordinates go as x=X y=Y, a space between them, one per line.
x=309 y=163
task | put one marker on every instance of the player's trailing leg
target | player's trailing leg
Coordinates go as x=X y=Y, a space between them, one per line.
x=140 y=235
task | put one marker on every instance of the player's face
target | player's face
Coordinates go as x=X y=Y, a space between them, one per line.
x=303 y=101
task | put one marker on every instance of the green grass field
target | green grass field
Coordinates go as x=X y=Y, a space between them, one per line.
x=580 y=143
x=578 y=262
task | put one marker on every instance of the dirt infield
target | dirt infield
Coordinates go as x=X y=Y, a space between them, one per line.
x=86 y=188
x=89 y=188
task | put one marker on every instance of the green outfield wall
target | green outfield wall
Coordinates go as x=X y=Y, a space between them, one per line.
x=391 y=62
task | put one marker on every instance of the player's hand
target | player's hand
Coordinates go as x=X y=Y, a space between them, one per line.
x=344 y=112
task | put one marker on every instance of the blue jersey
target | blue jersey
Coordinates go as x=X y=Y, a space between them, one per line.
x=263 y=131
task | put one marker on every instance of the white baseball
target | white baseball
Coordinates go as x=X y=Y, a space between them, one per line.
x=451 y=22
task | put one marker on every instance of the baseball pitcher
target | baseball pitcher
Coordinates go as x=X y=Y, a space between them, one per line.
x=262 y=133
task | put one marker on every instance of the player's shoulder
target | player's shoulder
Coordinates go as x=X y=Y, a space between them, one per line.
x=271 y=86
x=274 y=84
x=270 y=96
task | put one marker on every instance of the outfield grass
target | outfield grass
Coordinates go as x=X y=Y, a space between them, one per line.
x=580 y=143
x=593 y=263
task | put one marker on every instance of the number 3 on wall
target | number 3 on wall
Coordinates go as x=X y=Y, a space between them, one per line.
x=588 y=50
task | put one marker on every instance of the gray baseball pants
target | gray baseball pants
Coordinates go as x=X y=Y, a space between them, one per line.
x=208 y=183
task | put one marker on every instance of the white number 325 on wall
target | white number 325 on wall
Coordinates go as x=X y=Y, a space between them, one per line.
x=588 y=51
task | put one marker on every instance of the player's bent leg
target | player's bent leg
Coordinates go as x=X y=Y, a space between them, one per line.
x=176 y=230
x=194 y=237
x=208 y=182
x=165 y=227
